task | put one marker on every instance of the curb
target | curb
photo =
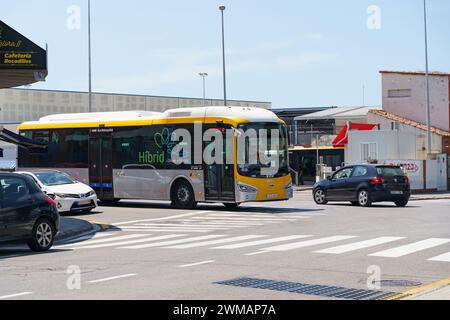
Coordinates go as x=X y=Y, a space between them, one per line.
x=88 y=228
x=429 y=288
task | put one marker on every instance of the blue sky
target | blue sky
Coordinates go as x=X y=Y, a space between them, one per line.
x=291 y=52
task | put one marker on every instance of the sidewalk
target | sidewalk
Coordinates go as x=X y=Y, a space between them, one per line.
x=72 y=227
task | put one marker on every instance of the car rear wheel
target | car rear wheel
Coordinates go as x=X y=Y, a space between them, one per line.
x=42 y=236
x=183 y=195
x=320 y=197
x=354 y=203
x=401 y=204
x=364 y=198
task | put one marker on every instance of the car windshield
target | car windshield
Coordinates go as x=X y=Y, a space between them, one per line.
x=54 y=178
x=390 y=171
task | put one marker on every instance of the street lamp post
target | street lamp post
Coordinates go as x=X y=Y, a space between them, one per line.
x=89 y=54
x=222 y=9
x=204 y=75
x=427 y=83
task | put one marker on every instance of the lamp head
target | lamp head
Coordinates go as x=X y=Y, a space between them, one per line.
x=222 y=7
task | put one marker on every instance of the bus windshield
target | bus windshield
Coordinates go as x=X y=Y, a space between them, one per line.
x=251 y=169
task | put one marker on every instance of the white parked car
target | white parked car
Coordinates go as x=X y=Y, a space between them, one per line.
x=69 y=194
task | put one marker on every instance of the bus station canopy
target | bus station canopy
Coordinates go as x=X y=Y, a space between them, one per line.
x=22 y=62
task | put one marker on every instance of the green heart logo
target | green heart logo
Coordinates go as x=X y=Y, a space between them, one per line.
x=162 y=139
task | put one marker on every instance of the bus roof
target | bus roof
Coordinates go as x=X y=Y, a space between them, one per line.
x=136 y=118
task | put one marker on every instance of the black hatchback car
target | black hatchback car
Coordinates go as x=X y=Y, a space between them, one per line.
x=365 y=184
x=26 y=213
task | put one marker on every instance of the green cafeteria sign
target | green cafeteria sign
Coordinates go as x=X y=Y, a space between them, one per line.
x=18 y=52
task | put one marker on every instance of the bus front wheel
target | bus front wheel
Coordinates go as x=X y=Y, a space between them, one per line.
x=183 y=196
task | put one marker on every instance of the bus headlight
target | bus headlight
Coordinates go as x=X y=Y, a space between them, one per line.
x=289 y=186
x=247 y=188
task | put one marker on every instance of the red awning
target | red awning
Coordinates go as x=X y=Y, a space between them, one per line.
x=342 y=138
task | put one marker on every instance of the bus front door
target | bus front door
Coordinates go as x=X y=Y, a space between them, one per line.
x=219 y=178
x=101 y=167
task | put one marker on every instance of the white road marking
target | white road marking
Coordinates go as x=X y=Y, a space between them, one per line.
x=182 y=225
x=89 y=242
x=308 y=243
x=114 y=278
x=359 y=245
x=169 y=243
x=262 y=217
x=442 y=258
x=243 y=219
x=411 y=248
x=213 y=242
x=168 y=230
x=122 y=243
x=255 y=253
x=228 y=223
x=15 y=295
x=165 y=218
x=196 y=264
x=259 y=242
x=172 y=227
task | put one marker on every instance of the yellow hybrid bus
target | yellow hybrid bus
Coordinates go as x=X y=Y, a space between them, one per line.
x=128 y=155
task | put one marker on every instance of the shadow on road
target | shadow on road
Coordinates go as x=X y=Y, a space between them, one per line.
x=212 y=207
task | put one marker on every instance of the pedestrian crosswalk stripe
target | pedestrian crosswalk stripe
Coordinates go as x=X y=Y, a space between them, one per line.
x=359 y=245
x=173 y=227
x=261 y=217
x=123 y=243
x=307 y=243
x=131 y=236
x=242 y=219
x=411 y=248
x=214 y=242
x=172 y=242
x=260 y=242
x=228 y=223
x=168 y=230
x=182 y=225
x=442 y=258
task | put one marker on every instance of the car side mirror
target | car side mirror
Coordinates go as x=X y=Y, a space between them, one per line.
x=330 y=178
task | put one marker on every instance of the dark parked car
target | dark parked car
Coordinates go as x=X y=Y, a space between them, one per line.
x=365 y=184
x=26 y=213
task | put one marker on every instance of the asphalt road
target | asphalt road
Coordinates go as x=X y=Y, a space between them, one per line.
x=156 y=252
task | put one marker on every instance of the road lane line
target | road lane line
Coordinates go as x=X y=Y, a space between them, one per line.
x=442 y=258
x=411 y=248
x=197 y=264
x=266 y=217
x=359 y=245
x=213 y=242
x=169 y=243
x=259 y=242
x=255 y=253
x=122 y=243
x=165 y=218
x=308 y=243
x=89 y=242
x=113 y=278
x=15 y=295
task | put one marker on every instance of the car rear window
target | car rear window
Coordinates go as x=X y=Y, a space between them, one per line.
x=390 y=171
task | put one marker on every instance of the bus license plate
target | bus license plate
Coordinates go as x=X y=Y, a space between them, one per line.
x=272 y=196
x=397 y=192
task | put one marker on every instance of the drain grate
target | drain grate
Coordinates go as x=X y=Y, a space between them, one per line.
x=308 y=289
x=399 y=283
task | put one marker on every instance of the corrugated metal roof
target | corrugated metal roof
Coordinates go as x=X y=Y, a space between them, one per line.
x=340 y=112
x=409 y=122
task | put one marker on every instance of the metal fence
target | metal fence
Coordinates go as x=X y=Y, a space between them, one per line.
x=312 y=137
